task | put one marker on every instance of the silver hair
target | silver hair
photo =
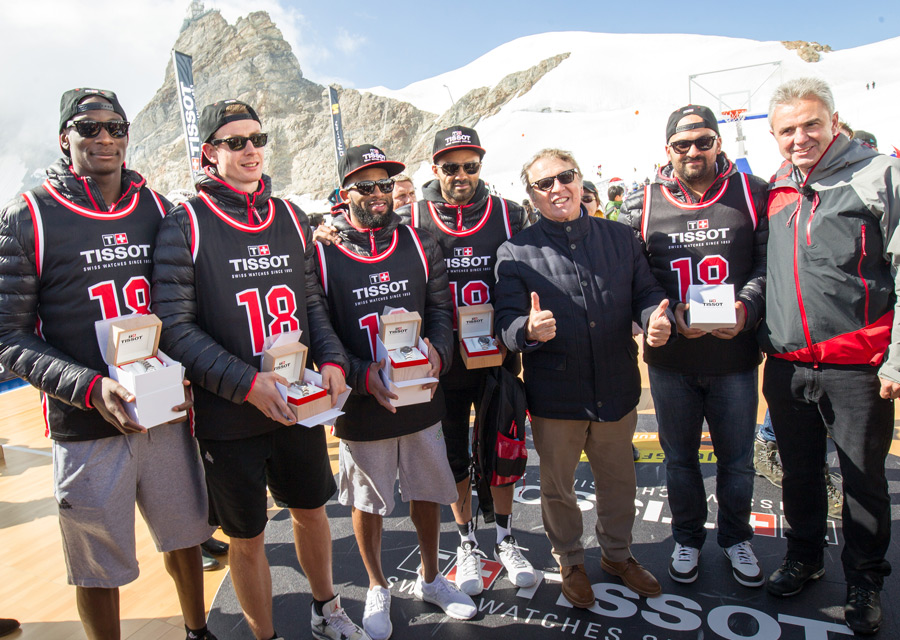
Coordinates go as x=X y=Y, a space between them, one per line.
x=799 y=89
x=559 y=154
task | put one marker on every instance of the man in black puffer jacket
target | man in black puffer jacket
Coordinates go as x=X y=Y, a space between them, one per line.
x=380 y=263
x=232 y=267
x=74 y=251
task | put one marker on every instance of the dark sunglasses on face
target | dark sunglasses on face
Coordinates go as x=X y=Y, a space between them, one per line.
x=452 y=168
x=236 y=143
x=545 y=184
x=91 y=128
x=587 y=198
x=703 y=144
x=367 y=187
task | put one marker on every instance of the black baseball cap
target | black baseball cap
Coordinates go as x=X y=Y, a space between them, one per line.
x=589 y=186
x=213 y=117
x=456 y=137
x=866 y=138
x=69 y=104
x=709 y=120
x=365 y=156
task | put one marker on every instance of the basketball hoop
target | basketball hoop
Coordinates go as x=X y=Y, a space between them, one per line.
x=734 y=115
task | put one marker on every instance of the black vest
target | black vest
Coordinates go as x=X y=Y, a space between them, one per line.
x=250 y=283
x=92 y=266
x=358 y=289
x=707 y=243
x=470 y=256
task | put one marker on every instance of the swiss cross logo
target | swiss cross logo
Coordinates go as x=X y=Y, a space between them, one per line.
x=764 y=524
x=259 y=250
x=461 y=252
x=112 y=239
x=693 y=225
x=195 y=165
x=375 y=278
x=490 y=571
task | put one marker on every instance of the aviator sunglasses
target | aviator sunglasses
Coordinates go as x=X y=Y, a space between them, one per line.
x=451 y=168
x=236 y=143
x=91 y=128
x=367 y=187
x=545 y=184
x=703 y=144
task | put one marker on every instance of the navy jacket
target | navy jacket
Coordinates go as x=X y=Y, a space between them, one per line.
x=593 y=276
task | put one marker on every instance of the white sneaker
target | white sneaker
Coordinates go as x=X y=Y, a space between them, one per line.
x=518 y=569
x=685 y=564
x=334 y=623
x=744 y=566
x=377 y=617
x=447 y=596
x=468 y=568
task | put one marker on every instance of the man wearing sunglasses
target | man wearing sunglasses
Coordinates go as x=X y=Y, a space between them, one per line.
x=234 y=267
x=77 y=250
x=381 y=263
x=703 y=222
x=469 y=223
x=580 y=362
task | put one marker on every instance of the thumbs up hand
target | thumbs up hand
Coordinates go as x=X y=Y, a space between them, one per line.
x=659 y=328
x=541 y=325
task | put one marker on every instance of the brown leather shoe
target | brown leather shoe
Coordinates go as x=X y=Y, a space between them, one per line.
x=635 y=577
x=576 y=586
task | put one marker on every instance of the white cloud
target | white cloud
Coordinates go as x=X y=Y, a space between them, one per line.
x=348 y=43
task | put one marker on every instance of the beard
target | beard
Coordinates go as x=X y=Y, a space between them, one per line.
x=693 y=174
x=369 y=220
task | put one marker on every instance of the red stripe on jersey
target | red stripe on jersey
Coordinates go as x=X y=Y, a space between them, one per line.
x=96 y=215
x=372 y=259
x=195 y=230
x=745 y=181
x=38 y=225
x=645 y=214
x=468 y=232
x=296 y=222
x=506 y=222
x=323 y=268
x=414 y=214
x=234 y=223
x=694 y=207
x=159 y=205
x=421 y=250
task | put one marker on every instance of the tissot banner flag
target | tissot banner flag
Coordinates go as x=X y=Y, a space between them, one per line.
x=336 y=127
x=184 y=82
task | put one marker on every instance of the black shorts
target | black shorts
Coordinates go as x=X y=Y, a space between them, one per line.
x=457 y=431
x=292 y=461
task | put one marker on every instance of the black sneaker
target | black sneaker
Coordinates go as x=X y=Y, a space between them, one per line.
x=862 y=612
x=789 y=578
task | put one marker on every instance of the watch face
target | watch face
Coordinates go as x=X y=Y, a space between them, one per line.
x=484 y=342
x=406 y=352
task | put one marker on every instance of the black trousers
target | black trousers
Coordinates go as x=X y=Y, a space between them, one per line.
x=807 y=404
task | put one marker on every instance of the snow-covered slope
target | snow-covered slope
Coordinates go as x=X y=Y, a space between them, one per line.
x=609 y=101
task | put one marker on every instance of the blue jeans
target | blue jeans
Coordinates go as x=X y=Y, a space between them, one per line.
x=728 y=402
x=808 y=403
x=766 y=432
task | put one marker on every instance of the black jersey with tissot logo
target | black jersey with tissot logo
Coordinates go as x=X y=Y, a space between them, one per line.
x=250 y=283
x=707 y=243
x=92 y=265
x=358 y=289
x=470 y=255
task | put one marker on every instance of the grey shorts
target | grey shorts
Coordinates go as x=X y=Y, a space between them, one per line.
x=370 y=469
x=96 y=485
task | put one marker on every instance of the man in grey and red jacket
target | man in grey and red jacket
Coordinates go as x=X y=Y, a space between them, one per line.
x=832 y=334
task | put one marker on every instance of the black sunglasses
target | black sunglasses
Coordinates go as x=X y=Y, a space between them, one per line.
x=703 y=144
x=452 y=168
x=236 y=143
x=587 y=198
x=91 y=128
x=545 y=184
x=367 y=187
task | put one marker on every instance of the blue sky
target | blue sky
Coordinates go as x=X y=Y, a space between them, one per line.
x=396 y=43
